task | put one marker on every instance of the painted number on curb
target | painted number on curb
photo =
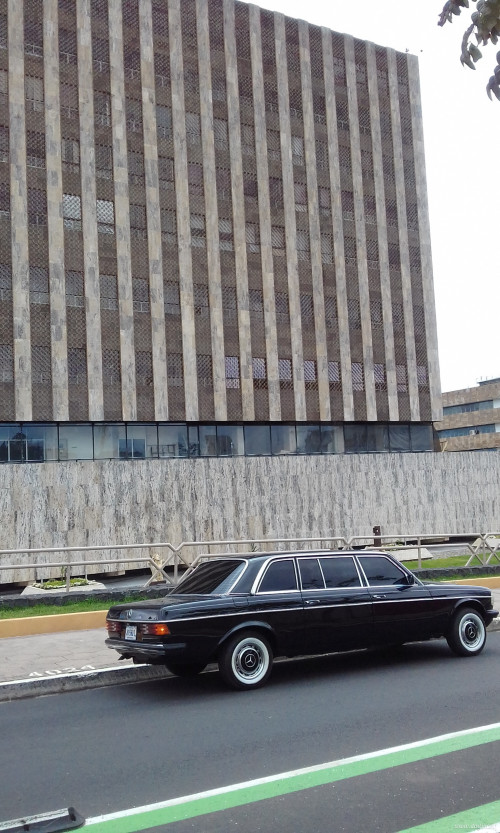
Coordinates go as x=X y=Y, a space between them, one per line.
x=56 y=671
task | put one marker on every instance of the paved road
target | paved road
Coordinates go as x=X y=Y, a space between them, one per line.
x=111 y=749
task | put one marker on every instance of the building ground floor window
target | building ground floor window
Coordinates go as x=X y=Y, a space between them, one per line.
x=44 y=442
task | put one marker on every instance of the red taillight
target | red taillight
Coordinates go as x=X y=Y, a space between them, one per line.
x=154 y=629
x=113 y=627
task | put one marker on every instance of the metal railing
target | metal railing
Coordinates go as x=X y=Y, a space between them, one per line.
x=166 y=559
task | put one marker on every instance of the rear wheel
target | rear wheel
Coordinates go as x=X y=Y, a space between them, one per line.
x=185 y=669
x=246 y=661
x=467 y=634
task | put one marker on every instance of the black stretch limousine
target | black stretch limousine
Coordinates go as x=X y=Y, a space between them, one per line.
x=241 y=611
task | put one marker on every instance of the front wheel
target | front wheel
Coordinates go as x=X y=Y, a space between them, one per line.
x=246 y=661
x=185 y=669
x=467 y=634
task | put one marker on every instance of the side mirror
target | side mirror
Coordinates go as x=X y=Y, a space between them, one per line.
x=410 y=579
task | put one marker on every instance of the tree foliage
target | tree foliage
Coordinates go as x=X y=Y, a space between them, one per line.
x=484 y=29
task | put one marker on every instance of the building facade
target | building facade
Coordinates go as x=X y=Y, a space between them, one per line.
x=471 y=418
x=214 y=235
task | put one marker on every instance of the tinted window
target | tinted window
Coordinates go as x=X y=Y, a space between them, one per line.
x=211 y=577
x=280 y=575
x=340 y=572
x=310 y=574
x=379 y=570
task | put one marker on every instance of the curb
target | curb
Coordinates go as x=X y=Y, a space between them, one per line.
x=80 y=681
x=84 y=680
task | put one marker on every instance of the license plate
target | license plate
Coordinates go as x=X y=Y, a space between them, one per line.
x=131 y=632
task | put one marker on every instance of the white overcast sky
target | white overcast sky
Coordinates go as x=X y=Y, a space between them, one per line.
x=462 y=149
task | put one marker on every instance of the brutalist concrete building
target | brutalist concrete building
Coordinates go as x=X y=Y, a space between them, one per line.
x=214 y=236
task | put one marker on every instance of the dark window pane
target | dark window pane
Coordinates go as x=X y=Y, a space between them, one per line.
x=380 y=570
x=355 y=438
x=399 y=437
x=211 y=577
x=279 y=576
x=257 y=439
x=421 y=438
x=310 y=574
x=340 y=572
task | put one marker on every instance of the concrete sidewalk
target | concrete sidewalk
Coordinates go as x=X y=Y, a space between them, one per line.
x=76 y=660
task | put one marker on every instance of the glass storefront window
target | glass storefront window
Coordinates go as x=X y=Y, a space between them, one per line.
x=399 y=437
x=107 y=444
x=283 y=439
x=172 y=441
x=257 y=439
x=142 y=441
x=332 y=440
x=194 y=441
x=355 y=438
x=208 y=441
x=76 y=442
x=421 y=438
x=377 y=438
x=308 y=439
x=230 y=441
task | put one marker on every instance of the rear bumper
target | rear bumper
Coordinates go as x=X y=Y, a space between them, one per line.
x=146 y=651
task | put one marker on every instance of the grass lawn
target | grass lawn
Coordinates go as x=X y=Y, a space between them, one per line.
x=73 y=607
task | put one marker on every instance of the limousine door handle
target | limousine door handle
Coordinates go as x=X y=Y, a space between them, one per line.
x=312 y=602
x=379 y=596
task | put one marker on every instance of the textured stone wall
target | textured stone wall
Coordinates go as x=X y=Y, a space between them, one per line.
x=113 y=502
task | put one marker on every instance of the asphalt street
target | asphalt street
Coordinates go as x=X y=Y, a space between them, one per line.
x=111 y=749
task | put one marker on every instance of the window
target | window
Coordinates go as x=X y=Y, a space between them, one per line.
x=163 y=122
x=166 y=172
x=297 y=150
x=311 y=577
x=325 y=201
x=70 y=155
x=72 y=212
x=326 y=248
x=300 y=193
x=321 y=155
x=401 y=378
x=221 y=138
x=248 y=139
x=252 y=236
x=104 y=161
x=358 y=381
x=250 y=188
x=278 y=240
x=105 y=213
x=279 y=576
x=109 y=291
x=232 y=371
x=225 y=234
x=259 y=371
x=33 y=90
x=138 y=221
x=334 y=375
x=102 y=109
x=275 y=192
x=195 y=179
x=309 y=371
x=197 y=222
x=37 y=207
x=306 y=307
x=257 y=440
x=168 y=226
x=303 y=250
x=354 y=314
x=274 y=145
x=380 y=571
x=133 y=115
x=285 y=370
x=282 y=313
x=172 y=298
x=193 y=128
x=135 y=167
x=340 y=572
x=35 y=149
x=379 y=376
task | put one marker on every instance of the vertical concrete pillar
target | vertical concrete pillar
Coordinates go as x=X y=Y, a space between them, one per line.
x=290 y=223
x=182 y=207
x=314 y=225
x=266 y=251
x=240 y=247
x=425 y=240
x=155 y=255
x=19 y=215
x=403 y=236
x=337 y=224
x=385 y=280
x=58 y=327
x=212 y=213
x=122 y=212
x=359 y=221
x=89 y=221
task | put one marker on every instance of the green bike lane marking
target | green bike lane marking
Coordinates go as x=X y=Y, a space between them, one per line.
x=235 y=795
x=482 y=819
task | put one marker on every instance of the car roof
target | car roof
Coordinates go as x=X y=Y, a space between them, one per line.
x=251 y=556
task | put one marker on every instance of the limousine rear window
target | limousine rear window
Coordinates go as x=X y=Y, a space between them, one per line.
x=280 y=575
x=212 y=577
x=340 y=572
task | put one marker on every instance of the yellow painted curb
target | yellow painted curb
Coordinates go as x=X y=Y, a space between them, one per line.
x=56 y=623
x=489 y=581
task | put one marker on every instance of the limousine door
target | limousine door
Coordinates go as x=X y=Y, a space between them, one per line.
x=337 y=608
x=402 y=611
